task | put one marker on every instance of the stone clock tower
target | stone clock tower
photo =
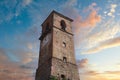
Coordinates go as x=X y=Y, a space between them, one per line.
x=57 y=58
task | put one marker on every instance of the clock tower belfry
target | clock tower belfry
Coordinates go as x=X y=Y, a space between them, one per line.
x=56 y=56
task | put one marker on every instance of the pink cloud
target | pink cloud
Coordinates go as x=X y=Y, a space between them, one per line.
x=84 y=25
x=95 y=75
x=82 y=63
x=92 y=19
x=15 y=72
x=104 y=45
x=112 y=72
x=21 y=70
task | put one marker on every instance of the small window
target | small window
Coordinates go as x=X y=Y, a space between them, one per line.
x=58 y=76
x=63 y=25
x=63 y=76
x=47 y=27
x=64 y=59
x=64 y=44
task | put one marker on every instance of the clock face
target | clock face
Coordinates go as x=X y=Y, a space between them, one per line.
x=46 y=39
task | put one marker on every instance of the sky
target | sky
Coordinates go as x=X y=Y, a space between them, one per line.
x=96 y=29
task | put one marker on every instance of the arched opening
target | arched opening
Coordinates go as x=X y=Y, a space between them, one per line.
x=63 y=25
x=63 y=76
x=64 y=59
x=64 y=44
x=47 y=27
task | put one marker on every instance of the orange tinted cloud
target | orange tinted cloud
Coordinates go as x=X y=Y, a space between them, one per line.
x=90 y=72
x=94 y=75
x=82 y=63
x=106 y=44
x=91 y=21
x=15 y=72
x=112 y=72
x=85 y=25
x=2 y=56
x=93 y=18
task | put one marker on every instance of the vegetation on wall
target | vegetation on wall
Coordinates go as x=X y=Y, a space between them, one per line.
x=55 y=78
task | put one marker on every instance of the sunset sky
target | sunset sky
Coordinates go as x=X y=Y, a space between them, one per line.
x=96 y=29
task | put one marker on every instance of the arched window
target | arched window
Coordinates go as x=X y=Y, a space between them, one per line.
x=62 y=76
x=63 y=25
x=64 y=59
x=64 y=44
x=47 y=27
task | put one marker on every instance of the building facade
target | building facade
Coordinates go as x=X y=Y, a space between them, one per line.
x=57 y=58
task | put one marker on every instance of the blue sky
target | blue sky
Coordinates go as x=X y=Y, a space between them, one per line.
x=96 y=29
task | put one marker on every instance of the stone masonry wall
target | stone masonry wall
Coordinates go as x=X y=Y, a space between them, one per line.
x=61 y=68
x=59 y=51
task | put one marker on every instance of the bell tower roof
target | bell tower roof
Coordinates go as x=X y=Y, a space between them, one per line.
x=54 y=12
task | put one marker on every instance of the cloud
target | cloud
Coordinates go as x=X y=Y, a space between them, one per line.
x=112 y=72
x=82 y=63
x=71 y=3
x=26 y=67
x=6 y=13
x=111 y=75
x=96 y=38
x=3 y=57
x=94 y=34
x=92 y=19
x=26 y=2
x=95 y=75
x=21 y=6
x=90 y=72
x=22 y=57
x=98 y=76
x=82 y=25
x=14 y=72
x=118 y=65
x=12 y=9
x=25 y=47
x=112 y=10
x=30 y=46
x=104 y=45
x=105 y=35
x=69 y=10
